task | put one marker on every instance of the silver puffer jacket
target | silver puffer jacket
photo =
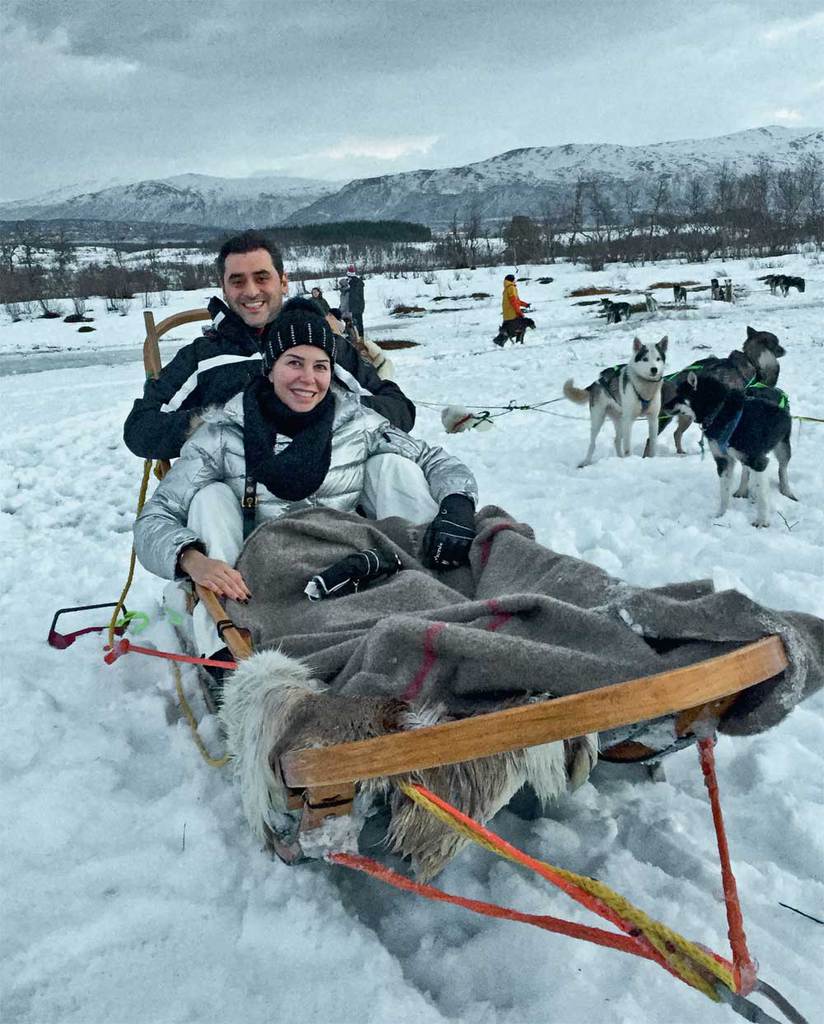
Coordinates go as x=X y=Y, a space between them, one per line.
x=215 y=453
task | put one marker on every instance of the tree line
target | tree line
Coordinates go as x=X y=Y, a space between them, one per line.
x=766 y=212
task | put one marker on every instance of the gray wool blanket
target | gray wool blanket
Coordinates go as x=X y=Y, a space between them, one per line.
x=519 y=620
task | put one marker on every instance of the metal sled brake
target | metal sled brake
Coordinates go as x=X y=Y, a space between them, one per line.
x=322 y=780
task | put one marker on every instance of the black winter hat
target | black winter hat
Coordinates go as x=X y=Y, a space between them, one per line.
x=299 y=322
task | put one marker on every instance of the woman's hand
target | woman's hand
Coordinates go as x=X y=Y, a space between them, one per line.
x=213 y=574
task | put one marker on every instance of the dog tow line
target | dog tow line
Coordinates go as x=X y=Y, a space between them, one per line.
x=125 y=646
x=718 y=978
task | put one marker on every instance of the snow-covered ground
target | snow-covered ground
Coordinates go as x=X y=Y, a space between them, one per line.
x=133 y=892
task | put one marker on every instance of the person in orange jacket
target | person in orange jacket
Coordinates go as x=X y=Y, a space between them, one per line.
x=512 y=305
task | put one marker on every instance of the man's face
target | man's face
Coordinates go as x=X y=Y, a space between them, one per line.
x=252 y=287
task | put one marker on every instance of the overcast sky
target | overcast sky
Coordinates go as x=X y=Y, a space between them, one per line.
x=94 y=90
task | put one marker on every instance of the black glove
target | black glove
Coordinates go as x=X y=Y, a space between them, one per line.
x=352 y=573
x=449 y=536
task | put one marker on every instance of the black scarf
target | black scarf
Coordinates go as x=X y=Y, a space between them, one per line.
x=298 y=471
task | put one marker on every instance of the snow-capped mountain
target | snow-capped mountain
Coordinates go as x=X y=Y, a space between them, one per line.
x=184 y=199
x=528 y=181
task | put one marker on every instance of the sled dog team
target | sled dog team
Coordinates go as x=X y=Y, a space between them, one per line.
x=743 y=415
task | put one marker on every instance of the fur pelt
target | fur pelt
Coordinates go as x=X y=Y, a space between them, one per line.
x=271 y=704
x=456 y=419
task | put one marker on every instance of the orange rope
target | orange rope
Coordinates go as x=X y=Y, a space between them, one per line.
x=558 y=879
x=745 y=971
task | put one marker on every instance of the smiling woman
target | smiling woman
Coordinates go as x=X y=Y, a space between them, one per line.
x=301 y=377
x=292 y=441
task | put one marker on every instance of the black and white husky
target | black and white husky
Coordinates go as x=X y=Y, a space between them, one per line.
x=625 y=393
x=742 y=426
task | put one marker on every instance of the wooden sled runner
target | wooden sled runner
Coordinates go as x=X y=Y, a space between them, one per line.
x=322 y=781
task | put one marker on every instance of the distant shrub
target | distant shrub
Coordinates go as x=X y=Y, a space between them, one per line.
x=669 y=284
x=592 y=290
x=391 y=344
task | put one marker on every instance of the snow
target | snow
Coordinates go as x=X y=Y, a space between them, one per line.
x=133 y=891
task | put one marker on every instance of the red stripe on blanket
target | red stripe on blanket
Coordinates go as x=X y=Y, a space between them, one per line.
x=486 y=547
x=429 y=659
x=499 y=618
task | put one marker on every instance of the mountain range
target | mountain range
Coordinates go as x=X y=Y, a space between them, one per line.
x=520 y=181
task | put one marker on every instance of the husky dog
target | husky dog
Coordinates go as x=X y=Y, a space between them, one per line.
x=741 y=426
x=514 y=331
x=679 y=294
x=625 y=393
x=787 y=282
x=784 y=282
x=757 y=362
x=651 y=302
x=772 y=280
x=616 y=311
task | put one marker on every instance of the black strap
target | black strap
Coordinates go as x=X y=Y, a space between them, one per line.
x=249 y=504
x=222 y=625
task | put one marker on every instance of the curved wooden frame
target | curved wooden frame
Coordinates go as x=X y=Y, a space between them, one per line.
x=154 y=332
x=607 y=707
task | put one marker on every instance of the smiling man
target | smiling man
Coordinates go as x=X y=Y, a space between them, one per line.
x=218 y=365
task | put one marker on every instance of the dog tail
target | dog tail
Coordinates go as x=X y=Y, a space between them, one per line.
x=579 y=395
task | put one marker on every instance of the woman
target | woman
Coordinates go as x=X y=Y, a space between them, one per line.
x=317 y=297
x=292 y=440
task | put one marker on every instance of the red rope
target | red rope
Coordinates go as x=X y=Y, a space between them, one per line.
x=124 y=646
x=598 y=936
x=744 y=968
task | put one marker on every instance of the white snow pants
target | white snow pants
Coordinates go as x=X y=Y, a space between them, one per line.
x=393 y=486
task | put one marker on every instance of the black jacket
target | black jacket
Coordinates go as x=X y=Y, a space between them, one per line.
x=217 y=366
x=357 y=302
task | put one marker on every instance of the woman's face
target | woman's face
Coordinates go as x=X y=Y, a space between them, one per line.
x=316 y=293
x=301 y=377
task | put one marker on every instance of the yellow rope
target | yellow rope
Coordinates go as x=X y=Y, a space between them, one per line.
x=185 y=707
x=141 y=499
x=188 y=714
x=681 y=954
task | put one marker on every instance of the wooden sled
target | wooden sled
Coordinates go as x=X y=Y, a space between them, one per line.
x=321 y=780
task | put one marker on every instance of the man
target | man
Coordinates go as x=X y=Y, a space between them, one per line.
x=352 y=302
x=218 y=365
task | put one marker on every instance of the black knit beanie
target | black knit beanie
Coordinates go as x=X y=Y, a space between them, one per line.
x=299 y=322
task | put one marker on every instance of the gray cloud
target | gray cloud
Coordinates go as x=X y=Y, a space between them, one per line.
x=98 y=89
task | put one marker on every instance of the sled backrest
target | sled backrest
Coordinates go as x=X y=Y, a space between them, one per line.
x=152 y=363
x=154 y=332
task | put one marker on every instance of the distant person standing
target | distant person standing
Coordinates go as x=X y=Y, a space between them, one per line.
x=512 y=305
x=317 y=296
x=352 y=302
